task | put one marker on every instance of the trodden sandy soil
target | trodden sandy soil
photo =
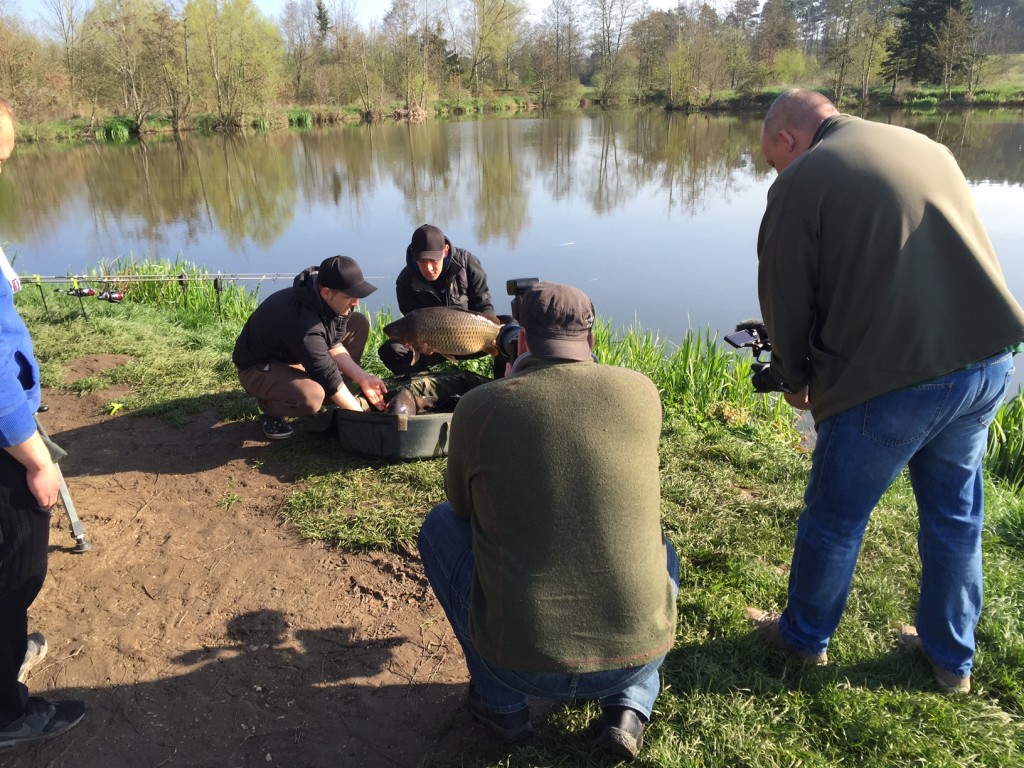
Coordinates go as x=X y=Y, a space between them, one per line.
x=202 y=632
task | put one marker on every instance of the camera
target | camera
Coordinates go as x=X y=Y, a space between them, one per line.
x=508 y=336
x=753 y=335
x=516 y=288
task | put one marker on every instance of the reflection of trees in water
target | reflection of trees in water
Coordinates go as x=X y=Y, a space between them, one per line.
x=36 y=186
x=688 y=156
x=243 y=185
x=246 y=186
x=502 y=196
x=986 y=143
x=335 y=167
x=252 y=187
x=695 y=155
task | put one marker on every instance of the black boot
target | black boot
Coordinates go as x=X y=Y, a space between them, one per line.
x=622 y=731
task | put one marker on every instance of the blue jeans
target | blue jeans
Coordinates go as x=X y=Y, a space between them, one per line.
x=446 y=549
x=939 y=429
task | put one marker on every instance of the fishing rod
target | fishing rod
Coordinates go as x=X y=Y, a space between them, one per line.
x=136 y=278
x=116 y=296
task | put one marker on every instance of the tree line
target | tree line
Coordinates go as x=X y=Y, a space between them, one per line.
x=225 y=60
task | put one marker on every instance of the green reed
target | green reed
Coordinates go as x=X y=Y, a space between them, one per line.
x=698 y=379
x=1005 y=456
x=189 y=291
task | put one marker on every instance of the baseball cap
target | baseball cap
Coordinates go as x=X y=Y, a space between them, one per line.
x=342 y=273
x=558 y=320
x=428 y=242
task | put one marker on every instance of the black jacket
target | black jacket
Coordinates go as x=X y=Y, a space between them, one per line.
x=291 y=326
x=462 y=284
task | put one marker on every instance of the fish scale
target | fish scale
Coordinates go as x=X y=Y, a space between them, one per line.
x=446 y=330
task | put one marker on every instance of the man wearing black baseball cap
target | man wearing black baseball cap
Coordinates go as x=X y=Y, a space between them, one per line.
x=436 y=274
x=303 y=345
x=548 y=557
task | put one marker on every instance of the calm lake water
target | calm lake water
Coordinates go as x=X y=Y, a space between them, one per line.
x=655 y=215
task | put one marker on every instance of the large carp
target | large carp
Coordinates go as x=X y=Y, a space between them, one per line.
x=446 y=331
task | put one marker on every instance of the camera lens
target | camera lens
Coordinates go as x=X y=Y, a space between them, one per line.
x=508 y=340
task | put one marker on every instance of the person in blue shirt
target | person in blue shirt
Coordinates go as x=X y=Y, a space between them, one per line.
x=29 y=487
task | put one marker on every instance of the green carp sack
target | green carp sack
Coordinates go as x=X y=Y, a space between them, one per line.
x=447 y=331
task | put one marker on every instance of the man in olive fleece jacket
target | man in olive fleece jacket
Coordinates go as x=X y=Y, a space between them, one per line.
x=549 y=558
x=890 y=320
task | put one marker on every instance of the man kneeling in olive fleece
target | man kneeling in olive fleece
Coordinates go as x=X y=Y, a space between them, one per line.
x=548 y=558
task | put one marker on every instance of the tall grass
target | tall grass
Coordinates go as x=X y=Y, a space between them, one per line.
x=300 y=118
x=193 y=294
x=1005 y=457
x=698 y=379
x=117 y=130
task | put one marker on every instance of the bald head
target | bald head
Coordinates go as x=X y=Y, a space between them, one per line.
x=791 y=123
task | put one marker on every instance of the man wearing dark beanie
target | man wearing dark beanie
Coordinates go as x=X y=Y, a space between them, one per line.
x=303 y=344
x=548 y=557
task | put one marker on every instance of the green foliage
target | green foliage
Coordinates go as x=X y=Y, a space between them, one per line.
x=300 y=118
x=206 y=123
x=70 y=131
x=789 y=66
x=117 y=129
x=189 y=293
x=1005 y=457
x=923 y=103
x=326 y=115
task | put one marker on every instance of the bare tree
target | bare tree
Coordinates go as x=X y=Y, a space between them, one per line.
x=611 y=20
x=173 y=50
x=301 y=31
x=18 y=54
x=65 y=19
x=952 y=44
x=124 y=32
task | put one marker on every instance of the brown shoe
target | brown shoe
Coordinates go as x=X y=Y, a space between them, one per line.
x=766 y=624
x=947 y=681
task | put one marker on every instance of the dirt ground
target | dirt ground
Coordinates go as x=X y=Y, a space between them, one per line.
x=201 y=632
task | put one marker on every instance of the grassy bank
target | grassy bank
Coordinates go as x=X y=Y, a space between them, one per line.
x=732 y=480
x=119 y=129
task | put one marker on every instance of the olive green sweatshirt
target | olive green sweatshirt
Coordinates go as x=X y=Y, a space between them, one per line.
x=875 y=270
x=556 y=467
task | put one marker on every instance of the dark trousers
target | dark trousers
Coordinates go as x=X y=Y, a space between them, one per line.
x=24 y=543
x=284 y=390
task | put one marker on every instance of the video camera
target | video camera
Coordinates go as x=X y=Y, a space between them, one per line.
x=753 y=335
x=508 y=336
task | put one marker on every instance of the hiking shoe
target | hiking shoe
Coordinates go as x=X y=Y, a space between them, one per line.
x=947 y=681
x=42 y=720
x=276 y=428
x=622 y=732
x=35 y=653
x=766 y=625
x=509 y=728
